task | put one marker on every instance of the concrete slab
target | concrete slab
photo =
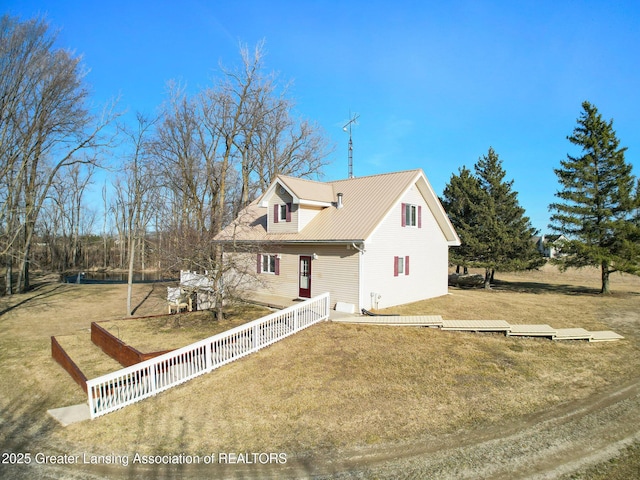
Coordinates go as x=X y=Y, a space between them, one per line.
x=73 y=414
x=272 y=301
x=605 y=336
x=336 y=316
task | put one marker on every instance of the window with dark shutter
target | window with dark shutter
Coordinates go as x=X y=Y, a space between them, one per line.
x=400 y=266
x=268 y=264
x=411 y=215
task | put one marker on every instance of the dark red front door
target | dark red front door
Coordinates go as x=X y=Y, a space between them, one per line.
x=305 y=277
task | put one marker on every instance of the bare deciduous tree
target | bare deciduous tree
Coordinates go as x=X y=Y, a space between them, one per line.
x=135 y=194
x=45 y=126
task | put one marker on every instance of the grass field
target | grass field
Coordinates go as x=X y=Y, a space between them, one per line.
x=332 y=386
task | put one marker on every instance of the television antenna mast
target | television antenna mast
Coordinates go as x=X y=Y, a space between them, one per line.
x=347 y=128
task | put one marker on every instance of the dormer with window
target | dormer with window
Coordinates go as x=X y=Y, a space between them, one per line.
x=282 y=212
x=292 y=203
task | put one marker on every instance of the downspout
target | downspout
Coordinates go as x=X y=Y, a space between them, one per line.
x=360 y=269
x=361 y=250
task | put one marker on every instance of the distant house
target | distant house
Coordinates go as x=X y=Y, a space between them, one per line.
x=372 y=242
x=549 y=245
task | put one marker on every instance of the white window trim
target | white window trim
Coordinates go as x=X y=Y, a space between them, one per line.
x=412 y=211
x=282 y=209
x=401 y=265
x=268 y=260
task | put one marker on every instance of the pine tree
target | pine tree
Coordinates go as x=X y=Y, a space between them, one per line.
x=506 y=232
x=484 y=209
x=459 y=197
x=598 y=207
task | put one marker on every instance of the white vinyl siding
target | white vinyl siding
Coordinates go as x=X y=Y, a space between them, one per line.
x=307 y=213
x=277 y=216
x=426 y=248
x=336 y=271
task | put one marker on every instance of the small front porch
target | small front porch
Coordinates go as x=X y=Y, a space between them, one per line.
x=280 y=302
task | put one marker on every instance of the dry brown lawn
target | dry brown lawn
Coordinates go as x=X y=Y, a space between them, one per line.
x=331 y=386
x=174 y=331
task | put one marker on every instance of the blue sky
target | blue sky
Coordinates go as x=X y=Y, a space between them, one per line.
x=436 y=83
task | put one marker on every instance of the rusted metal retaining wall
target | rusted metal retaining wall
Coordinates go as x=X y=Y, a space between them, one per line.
x=124 y=354
x=60 y=355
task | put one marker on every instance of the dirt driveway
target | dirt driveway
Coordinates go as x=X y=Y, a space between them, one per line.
x=545 y=446
x=549 y=445
x=558 y=442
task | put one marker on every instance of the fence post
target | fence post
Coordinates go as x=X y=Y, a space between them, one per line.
x=208 y=354
x=327 y=306
x=256 y=337
x=152 y=374
x=90 y=398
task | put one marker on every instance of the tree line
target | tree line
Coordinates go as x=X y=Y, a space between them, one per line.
x=185 y=171
x=181 y=173
x=597 y=212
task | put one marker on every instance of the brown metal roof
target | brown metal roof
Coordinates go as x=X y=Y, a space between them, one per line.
x=308 y=189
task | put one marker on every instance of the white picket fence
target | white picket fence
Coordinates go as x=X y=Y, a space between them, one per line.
x=145 y=379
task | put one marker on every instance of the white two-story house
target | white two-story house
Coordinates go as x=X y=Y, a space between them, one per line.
x=372 y=242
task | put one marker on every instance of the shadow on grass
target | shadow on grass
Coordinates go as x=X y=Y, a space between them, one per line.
x=29 y=297
x=540 y=287
x=153 y=286
x=22 y=430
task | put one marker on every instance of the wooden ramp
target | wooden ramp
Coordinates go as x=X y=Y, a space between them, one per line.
x=572 y=334
x=476 y=325
x=605 y=336
x=436 y=321
x=532 y=331
x=408 y=320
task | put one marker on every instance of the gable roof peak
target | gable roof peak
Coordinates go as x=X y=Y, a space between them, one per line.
x=304 y=190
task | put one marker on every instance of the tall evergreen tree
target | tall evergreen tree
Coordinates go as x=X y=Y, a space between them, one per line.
x=599 y=201
x=459 y=197
x=505 y=232
x=484 y=209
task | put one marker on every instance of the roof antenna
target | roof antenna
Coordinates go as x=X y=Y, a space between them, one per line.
x=351 y=122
